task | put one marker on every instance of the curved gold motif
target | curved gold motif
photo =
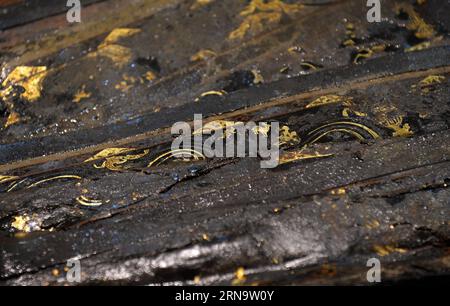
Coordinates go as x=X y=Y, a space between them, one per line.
x=112 y=163
x=6 y=178
x=108 y=152
x=347 y=131
x=211 y=93
x=16 y=183
x=372 y=133
x=76 y=177
x=196 y=155
x=88 y=202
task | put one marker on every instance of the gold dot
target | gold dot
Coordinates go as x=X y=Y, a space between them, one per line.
x=197 y=279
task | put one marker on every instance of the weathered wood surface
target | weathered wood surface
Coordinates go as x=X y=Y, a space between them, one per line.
x=14 y=13
x=314 y=221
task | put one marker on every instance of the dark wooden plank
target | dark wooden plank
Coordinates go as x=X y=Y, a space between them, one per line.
x=328 y=80
x=289 y=215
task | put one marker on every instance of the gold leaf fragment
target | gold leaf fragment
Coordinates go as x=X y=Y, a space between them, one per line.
x=203 y=55
x=108 y=152
x=347 y=127
x=387 y=249
x=150 y=76
x=325 y=100
x=349 y=43
x=228 y=126
x=28 y=77
x=123 y=86
x=239 y=276
x=259 y=12
x=13 y=118
x=85 y=201
x=211 y=93
x=308 y=65
x=186 y=154
x=259 y=79
x=20 y=223
x=26 y=224
x=295 y=49
x=364 y=53
x=426 y=85
x=199 y=3
x=350 y=35
x=112 y=163
x=346 y=112
x=372 y=224
x=286 y=136
x=421 y=29
x=119 y=33
x=432 y=80
x=81 y=94
x=7 y=178
x=400 y=129
x=294 y=156
x=418 y=47
x=197 y=279
x=350 y=109
x=59 y=177
x=129 y=81
x=338 y=191
x=119 y=54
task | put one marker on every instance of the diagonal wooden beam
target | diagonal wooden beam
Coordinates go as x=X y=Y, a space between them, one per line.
x=386 y=69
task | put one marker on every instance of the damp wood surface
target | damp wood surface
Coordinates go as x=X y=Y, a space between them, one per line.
x=85 y=116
